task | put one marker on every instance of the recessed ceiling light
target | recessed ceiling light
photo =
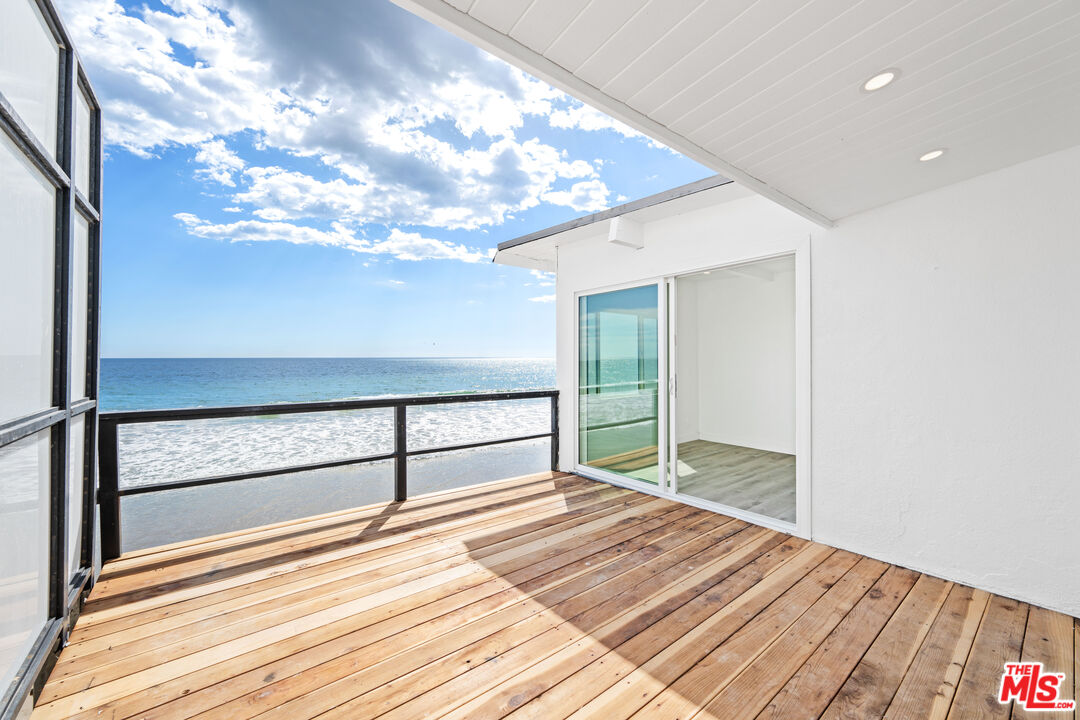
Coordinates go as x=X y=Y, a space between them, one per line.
x=880 y=80
x=708 y=271
x=932 y=155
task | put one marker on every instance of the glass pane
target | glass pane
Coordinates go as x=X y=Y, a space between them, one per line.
x=152 y=453
x=75 y=492
x=27 y=217
x=79 y=285
x=172 y=516
x=82 y=144
x=460 y=468
x=432 y=426
x=618 y=401
x=30 y=68
x=735 y=403
x=24 y=536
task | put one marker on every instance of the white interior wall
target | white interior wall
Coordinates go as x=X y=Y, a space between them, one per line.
x=946 y=396
x=686 y=355
x=746 y=360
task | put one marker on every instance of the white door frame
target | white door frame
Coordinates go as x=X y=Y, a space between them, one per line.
x=667 y=485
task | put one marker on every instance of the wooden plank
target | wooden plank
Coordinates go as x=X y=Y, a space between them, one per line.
x=148 y=557
x=56 y=695
x=1048 y=639
x=122 y=587
x=426 y=526
x=687 y=695
x=749 y=691
x=812 y=687
x=258 y=669
x=573 y=662
x=740 y=637
x=543 y=597
x=930 y=682
x=871 y=686
x=672 y=645
x=278 y=682
x=136 y=650
x=309 y=578
x=155 y=607
x=998 y=641
x=453 y=654
x=464 y=623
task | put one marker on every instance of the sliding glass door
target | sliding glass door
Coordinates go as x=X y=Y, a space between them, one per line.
x=695 y=387
x=619 y=366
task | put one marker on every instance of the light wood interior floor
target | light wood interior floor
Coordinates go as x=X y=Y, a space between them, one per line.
x=756 y=480
x=548 y=596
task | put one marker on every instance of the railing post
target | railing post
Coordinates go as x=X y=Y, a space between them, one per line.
x=401 y=489
x=555 y=432
x=108 y=490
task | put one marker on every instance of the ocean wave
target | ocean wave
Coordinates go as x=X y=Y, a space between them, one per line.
x=163 y=452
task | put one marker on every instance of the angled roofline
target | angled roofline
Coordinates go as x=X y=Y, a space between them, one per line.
x=661 y=197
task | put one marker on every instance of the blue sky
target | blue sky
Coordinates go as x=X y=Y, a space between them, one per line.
x=329 y=178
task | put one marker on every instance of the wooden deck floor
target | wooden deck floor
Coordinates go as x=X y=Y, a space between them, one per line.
x=540 y=597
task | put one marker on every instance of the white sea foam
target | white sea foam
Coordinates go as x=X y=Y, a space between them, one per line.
x=162 y=452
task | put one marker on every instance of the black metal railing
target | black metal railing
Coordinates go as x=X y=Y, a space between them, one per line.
x=110 y=492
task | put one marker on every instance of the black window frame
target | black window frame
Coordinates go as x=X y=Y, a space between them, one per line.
x=66 y=590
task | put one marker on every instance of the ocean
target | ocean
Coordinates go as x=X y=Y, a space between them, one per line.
x=163 y=452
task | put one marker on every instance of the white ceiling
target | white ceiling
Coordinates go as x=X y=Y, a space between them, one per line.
x=769 y=92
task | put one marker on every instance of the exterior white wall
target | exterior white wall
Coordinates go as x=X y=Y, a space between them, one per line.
x=946 y=420
x=746 y=361
x=946 y=368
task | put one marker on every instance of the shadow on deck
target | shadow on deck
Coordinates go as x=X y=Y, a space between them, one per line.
x=547 y=596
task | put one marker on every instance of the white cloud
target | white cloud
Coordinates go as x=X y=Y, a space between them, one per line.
x=219 y=163
x=543 y=279
x=398 y=244
x=543 y=299
x=484 y=191
x=579 y=116
x=260 y=231
x=413 y=246
x=585 y=196
x=367 y=94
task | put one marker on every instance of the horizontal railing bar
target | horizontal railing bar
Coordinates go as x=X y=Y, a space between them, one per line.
x=217 y=479
x=124 y=417
x=82 y=406
x=82 y=204
x=234 y=477
x=619 y=423
x=484 y=443
x=28 y=425
x=17 y=129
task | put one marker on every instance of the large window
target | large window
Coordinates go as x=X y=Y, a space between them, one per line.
x=618 y=392
x=50 y=199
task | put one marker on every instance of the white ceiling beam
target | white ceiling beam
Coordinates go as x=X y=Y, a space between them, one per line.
x=472 y=30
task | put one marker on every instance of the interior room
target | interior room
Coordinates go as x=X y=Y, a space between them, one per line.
x=735 y=386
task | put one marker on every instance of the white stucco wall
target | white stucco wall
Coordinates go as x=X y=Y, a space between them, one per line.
x=945 y=368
